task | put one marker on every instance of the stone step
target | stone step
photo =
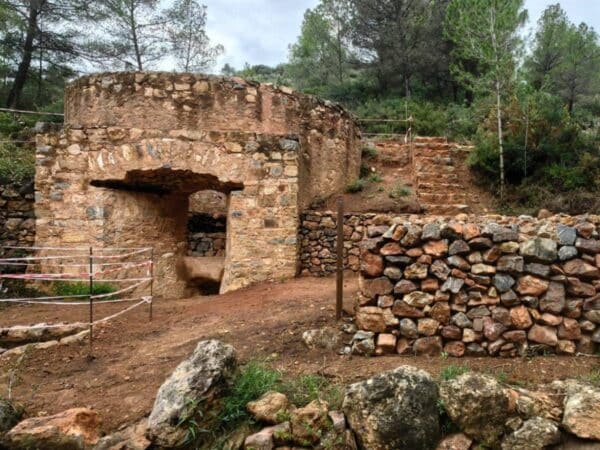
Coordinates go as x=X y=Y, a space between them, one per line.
x=424 y=176
x=439 y=187
x=435 y=139
x=445 y=210
x=436 y=169
x=436 y=159
x=442 y=198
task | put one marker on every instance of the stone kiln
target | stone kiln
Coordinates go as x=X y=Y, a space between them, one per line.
x=136 y=146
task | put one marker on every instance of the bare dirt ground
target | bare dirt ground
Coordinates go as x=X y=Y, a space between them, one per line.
x=133 y=357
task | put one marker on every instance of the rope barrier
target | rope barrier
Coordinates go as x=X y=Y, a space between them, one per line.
x=120 y=260
x=145 y=300
x=35 y=302
x=24 y=111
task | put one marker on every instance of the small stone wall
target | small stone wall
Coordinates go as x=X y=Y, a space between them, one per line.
x=207 y=244
x=17 y=215
x=480 y=286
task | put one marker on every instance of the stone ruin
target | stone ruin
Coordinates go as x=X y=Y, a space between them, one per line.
x=136 y=147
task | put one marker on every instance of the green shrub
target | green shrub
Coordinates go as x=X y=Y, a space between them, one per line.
x=365 y=171
x=375 y=178
x=452 y=371
x=399 y=190
x=356 y=186
x=369 y=152
x=17 y=164
x=251 y=382
x=69 y=288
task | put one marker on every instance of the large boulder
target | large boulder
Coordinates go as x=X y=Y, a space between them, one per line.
x=478 y=404
x=535 y=434
x=74 y=429
x=197 y=381
x=394 y=410
x=582 y=411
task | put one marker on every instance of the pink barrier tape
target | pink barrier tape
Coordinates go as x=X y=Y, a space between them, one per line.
x=56 y=257
x=122 y=291
x=96 y=303
x=63 y=277
x=123 y=266
x=66 y=264
x=86 y=249
x=147 y=300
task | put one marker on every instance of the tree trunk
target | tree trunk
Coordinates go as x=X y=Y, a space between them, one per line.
x=500 y=139
x=14 y=96
x=134 y=37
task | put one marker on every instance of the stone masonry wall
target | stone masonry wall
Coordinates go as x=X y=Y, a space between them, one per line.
x=137 y=146
x=17 y=215
x=487 y=285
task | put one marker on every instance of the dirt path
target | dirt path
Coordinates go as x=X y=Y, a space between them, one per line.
x=133 y=357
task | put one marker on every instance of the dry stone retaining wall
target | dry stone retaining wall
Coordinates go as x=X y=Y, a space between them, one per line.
x=480 y=286
x=17 y=215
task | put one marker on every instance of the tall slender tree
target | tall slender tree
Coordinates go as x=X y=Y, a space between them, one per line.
x=486 y=32
x=186 y=31
x=131 y=33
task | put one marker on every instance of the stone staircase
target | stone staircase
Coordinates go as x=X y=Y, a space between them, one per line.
x=443 y=182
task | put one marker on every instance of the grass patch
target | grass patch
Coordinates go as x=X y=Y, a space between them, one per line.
x=251 y=382
x=307 y=388
x=66 y=288
x=593 y=377
x=356 y=186
x=364 y=171
x=452 y=371
x=399 y=191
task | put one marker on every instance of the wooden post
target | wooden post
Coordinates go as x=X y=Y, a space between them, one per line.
x=339 y=304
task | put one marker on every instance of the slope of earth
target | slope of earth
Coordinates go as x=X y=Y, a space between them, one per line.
x=429 y=176
x=133 y=357
x=388 y=187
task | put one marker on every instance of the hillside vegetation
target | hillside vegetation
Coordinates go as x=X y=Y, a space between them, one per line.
x=464 y=69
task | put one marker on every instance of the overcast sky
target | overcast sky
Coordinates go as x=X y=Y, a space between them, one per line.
x=260 y=31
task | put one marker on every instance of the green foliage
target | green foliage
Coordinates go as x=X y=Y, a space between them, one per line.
x=375 y=178
x=399 y=191
x=17 y=164
x=67 y=288
x=307 y=388
x=453 y=371
x=369 y=152
x=250 y=383
x=593 y=377
x=356 y=186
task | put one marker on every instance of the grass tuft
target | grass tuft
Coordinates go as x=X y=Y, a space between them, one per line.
x=452 y=371
x=66 y=288
x=399 y=191
x=356 y=186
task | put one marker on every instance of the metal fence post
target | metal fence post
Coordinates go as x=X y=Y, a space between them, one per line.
x=91 y=292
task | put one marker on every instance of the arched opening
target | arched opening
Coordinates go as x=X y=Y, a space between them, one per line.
x=180 y=213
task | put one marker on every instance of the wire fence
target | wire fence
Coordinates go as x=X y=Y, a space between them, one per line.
x=77 y=277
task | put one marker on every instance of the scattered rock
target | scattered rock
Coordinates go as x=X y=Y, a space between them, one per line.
x=203 y=377
x=75 y=429
x=394 y=410
x=535 y=434
x=478 y=404
x=269 y=408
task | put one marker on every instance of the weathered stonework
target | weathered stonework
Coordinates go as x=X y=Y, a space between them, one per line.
x=17 y=215
x=480 y=285
x=136 y=146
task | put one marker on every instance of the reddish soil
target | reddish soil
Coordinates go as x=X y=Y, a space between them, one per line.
x=390 y=170
x=133 y=356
